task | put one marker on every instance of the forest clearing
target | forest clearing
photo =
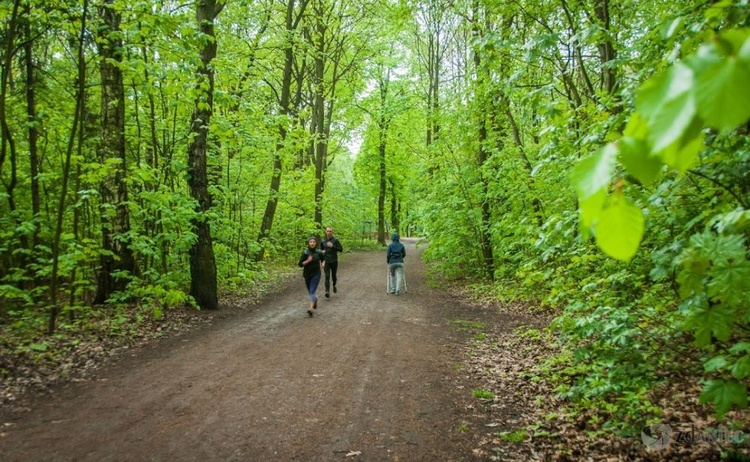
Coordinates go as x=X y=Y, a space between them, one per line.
x=578 y=170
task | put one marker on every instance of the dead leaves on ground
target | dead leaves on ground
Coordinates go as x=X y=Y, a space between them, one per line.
x=75 y=355
x=525 y=420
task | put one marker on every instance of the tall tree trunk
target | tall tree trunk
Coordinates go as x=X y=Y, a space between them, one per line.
x=152 y=159
x=332 y=43
x=152 y=154
x=395 y=222
x=578 y=53
x=384 y=120
x=284 y=107
x=482 y=83
x=435 y=49
x=239 y=240
x=117 y=256
x=32 y=123
x=320 y=113
x=77 y=119
x=203 y=278
x=382 y=190
x=607 y=53
x=266 y=223
x=7 y=64
x=434 y=110
x=606 y=49
x=8 y=146
x=535 y=202
x=431 y=89
x=431 y=52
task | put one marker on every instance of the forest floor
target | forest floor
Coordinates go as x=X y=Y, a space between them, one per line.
x=424 y=376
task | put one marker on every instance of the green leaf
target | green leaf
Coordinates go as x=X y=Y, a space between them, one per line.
x=717 y=11
x=9 y=291
x=741 y=369
x=635 y=156
x=670 y=29
x=668 y=104
x=637 y=127
x=732 y=42
x=710 y=321
x=721 y=92
x=744 y=53
x=734 y=221
x=681 y=155
x=715 y=364
x=730 y=283
x=590 y=209
x=594 y=173
x=742 y=347
x=690 y=279
x=702 y=247
x=620 y=229
x=727 y=249
x=724 y=395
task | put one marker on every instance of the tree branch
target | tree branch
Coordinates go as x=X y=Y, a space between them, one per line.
x=736 y=196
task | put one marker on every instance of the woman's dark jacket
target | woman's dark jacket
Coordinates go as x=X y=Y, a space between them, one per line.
x=312 y=268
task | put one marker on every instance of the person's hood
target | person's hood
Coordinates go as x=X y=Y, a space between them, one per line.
x=395 y=237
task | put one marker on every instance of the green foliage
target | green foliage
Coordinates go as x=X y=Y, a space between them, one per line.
x=11 y=292
x=468 y=326
x=672 y=108
x=482 y=394
x=515 y=436
x=724 y=395
x=619 y=228
x=157 y=293
x=713 y=273
x=648 y=167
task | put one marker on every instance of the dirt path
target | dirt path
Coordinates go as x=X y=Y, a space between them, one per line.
x=370 y=377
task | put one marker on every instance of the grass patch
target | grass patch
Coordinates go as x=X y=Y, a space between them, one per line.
x=516 y=436
x=482 y=394
x=465 y=325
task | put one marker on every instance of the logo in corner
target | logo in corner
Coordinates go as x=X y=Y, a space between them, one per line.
x=656 y=436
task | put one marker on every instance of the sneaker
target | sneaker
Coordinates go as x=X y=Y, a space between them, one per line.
x=392 y=292
x=309 y=312
x=328 y=295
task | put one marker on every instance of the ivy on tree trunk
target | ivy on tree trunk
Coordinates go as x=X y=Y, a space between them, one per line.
x=116 y=260
x=203 y=275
